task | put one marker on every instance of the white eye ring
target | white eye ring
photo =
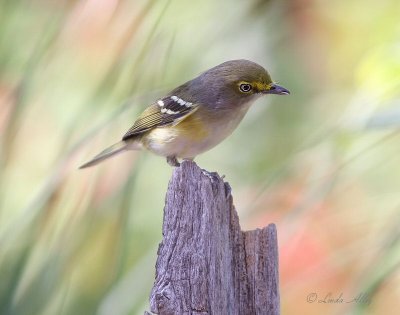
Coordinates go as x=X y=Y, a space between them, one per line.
x=245 y=87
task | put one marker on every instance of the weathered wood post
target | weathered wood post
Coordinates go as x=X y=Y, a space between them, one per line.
x=206 y=264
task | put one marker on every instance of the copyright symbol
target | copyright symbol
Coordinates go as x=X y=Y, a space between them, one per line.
x=312 y=297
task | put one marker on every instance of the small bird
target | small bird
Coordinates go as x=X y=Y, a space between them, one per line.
x=198 y=115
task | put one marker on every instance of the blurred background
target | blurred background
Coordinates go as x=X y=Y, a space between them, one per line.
x=322 y=163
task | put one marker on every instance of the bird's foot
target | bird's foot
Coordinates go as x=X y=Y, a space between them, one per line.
x=173 y=161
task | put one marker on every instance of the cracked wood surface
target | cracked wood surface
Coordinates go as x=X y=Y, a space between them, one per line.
x=206 y=264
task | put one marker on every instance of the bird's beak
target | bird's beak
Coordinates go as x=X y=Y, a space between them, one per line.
x=276 y=89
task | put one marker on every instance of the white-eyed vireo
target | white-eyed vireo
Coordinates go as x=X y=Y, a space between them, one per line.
x=197 y=115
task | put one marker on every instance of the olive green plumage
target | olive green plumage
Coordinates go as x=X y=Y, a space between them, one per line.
x=197 y=115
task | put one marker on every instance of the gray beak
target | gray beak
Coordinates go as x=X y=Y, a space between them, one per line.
x=276 y=89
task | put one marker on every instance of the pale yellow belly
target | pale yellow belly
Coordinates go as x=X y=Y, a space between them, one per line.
x=190 y=137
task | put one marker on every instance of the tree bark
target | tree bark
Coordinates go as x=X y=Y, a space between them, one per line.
x=206 y=264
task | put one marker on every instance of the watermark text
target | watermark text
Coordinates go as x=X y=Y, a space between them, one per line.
x=330 y=298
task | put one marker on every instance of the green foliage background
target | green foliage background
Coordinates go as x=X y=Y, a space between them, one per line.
x=323 y=163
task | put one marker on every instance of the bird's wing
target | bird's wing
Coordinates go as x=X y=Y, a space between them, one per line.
x=168 y=111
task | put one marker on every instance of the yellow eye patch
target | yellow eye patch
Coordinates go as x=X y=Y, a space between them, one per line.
x=257 y=86
x=261 y=86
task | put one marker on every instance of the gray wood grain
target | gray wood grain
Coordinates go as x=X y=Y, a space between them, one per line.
x=206 y=264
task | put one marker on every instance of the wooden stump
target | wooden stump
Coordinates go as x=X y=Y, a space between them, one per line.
x=206 y=264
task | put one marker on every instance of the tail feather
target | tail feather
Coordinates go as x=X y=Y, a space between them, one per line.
x=107 y=153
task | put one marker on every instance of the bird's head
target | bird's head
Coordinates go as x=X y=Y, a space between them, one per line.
x=234 y=82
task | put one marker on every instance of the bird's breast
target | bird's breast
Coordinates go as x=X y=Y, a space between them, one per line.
x=195 y=134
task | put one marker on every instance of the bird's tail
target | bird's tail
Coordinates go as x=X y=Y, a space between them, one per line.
x=107 y=153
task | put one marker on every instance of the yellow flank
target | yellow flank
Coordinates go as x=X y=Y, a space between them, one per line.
x=192 y=127
x=184 y=139
x=194 y=134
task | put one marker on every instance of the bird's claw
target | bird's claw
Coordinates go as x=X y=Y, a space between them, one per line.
x=173 y=161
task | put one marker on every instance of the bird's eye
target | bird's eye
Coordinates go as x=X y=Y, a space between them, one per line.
x=245 y=87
